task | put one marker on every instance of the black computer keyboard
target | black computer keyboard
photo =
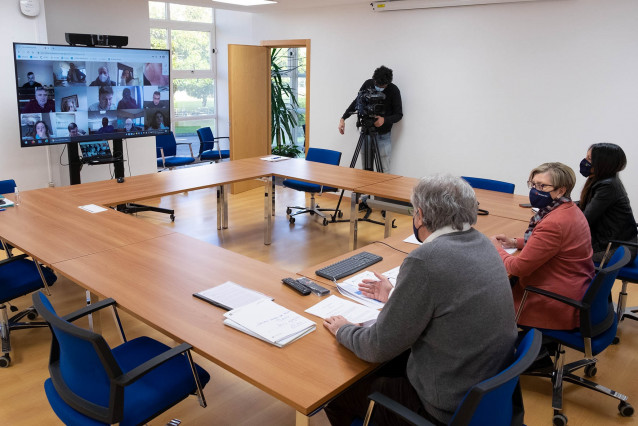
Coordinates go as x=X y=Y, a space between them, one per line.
x=348 y=266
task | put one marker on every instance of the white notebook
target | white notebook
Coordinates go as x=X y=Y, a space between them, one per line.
x=270 y=322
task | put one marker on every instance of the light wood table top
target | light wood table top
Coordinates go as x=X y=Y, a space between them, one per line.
x=136 y=188
x=155 y=280
x=393 y=249
x=328 y=175
x=49 y=226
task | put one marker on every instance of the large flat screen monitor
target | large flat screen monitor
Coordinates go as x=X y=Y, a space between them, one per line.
x=81 y=94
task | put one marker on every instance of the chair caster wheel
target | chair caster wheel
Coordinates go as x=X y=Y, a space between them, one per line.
x=625 y=409
x=340 y=214
x=615 y=341
x=591 y=370
x=32 y=315
x=311 y=213
x=559 y=420
x=325 y=221
x=172 y=218
x=5 y=361
x=288 y=210
x=291 y=220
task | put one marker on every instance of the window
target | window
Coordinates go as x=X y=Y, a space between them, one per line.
x=189 y=31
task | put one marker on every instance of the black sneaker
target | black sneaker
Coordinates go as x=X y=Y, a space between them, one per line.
x=363 y=206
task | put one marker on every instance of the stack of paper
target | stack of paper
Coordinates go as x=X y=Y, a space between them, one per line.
x=275 y=158
x=353 y=312
x=5 y=202
x=268 y=321
x=350 y=287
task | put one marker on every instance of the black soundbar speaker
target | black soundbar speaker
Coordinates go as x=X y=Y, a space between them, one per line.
x=96 y=40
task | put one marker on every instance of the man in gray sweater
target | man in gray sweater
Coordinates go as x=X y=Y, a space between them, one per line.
x=451 y=314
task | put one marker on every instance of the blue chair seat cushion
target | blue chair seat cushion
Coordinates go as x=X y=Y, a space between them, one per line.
x=175 y=161
x=213 y=154
x=629 y=272
x=159 y=389
x=21 y=277
x=306 y=186
x=574 y=339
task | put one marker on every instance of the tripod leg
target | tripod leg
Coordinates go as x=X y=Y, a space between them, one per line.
x=357 y=150
x=377 y=156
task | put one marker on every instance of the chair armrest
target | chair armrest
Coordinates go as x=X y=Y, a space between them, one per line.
x=222 y=137
x=624 y=243
x=88 y=309
x=190 y=146
x=142 y=369
x=13 y=259
x=571 y=302
x=399 y=409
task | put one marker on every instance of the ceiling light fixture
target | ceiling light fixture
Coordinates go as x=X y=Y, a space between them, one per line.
x=246 y=2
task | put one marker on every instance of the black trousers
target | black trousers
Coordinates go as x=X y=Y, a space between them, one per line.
x=390 y=380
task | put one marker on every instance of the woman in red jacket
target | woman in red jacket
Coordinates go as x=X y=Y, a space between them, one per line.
x=556 y=250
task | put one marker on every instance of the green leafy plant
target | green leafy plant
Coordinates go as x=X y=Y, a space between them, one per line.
x=284 y=116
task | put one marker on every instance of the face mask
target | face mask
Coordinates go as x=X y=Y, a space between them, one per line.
x=416 y=231
x=378 y=89
x=539 y=199
x=585 y=168
x=103 y=78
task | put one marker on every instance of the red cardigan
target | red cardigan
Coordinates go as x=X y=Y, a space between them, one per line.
x=557 y=258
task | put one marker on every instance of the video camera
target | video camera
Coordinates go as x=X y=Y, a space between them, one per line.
x=369 y=105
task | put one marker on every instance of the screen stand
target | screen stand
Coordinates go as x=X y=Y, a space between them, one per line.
x=75 y=165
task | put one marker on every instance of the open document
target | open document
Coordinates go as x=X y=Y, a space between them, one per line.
x=230 y=295
x=350 y=287
x=353 y=312
x=268 y=321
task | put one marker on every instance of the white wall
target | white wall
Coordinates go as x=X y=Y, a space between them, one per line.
x=91 y=17
x=489 y=91
x=28 y=166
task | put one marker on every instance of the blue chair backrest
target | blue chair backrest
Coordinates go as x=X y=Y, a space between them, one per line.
x=168 y=142
x=326 y=156
x=206 y=139
x=489 y=184
x=601 y=314
x=7 y=186
x=81 y=365
x=492 y=401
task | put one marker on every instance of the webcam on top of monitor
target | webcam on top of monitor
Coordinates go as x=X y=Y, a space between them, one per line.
x=75 y=39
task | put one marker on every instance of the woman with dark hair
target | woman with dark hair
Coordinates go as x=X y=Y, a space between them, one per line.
x=41 y=131
x=604 y=200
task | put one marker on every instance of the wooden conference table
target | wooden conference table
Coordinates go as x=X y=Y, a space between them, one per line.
x=84 y=247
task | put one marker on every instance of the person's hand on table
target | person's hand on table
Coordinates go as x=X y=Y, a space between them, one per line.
x=334 y=323
x=502 y=241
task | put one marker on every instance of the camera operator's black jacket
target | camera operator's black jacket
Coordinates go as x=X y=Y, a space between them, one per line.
x=393 y=106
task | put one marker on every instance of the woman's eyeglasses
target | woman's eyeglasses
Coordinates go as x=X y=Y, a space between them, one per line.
x=538 y=186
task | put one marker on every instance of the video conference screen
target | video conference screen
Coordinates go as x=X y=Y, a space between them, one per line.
x=80 y=94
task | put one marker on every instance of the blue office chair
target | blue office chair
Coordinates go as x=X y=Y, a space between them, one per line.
x=598 y=323
x=19 y=276
x=627 y=274
x=317 y=155
x=166 y=147
x=92 y=383
x=207 y=142
x=497 y=401
x=489 y=184
x=7 y=186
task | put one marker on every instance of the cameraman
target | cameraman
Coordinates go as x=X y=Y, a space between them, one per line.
x=381 y=81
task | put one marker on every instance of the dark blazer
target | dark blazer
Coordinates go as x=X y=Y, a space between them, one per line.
x=609 y=213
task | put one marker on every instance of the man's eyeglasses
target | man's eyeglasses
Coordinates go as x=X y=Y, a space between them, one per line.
x=538 y=186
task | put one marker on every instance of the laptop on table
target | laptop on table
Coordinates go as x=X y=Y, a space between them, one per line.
x=96 y=152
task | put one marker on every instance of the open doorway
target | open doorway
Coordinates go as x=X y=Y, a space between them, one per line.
x=290 y=95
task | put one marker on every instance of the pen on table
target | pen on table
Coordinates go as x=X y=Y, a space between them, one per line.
x=1 y=210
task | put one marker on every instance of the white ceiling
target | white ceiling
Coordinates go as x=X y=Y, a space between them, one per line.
x=281 y=4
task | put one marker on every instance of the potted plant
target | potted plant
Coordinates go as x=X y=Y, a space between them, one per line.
x=284 y=115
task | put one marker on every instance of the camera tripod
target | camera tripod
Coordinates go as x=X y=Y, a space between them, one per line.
x=371 y=160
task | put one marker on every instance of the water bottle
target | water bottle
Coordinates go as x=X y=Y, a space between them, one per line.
x=17 y=196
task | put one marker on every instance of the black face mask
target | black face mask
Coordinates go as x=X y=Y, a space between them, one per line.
x=585 y=168
x=416 y=231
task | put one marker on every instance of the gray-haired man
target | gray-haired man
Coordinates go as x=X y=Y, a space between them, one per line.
x=451 y=314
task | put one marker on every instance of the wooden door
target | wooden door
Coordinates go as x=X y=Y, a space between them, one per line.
x=249 y=109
